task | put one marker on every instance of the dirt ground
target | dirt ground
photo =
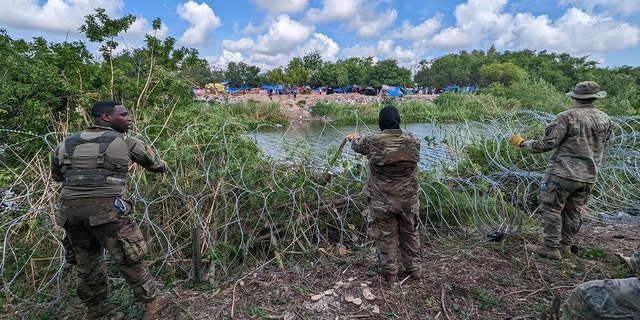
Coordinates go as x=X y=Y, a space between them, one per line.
x=472 y=278
x=469 y=280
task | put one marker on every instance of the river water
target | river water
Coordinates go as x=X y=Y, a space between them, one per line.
x=322 y=138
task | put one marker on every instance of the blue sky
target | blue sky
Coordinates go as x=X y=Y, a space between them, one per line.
x=268 y=33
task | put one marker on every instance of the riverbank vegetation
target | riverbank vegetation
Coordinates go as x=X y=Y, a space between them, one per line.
x=225 y=213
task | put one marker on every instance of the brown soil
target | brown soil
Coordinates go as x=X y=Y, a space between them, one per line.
x=470 y=278
x=463 y=280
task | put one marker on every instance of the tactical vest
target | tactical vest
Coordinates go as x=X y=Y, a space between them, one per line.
x=90 y=177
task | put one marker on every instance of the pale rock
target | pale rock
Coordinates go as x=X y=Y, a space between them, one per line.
x=367 y=294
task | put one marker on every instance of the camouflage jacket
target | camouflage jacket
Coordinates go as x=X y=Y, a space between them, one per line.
x=393 y=164
x=579 y=136
x=94 y=163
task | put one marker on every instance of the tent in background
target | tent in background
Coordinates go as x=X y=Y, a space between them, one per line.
x=390 y=91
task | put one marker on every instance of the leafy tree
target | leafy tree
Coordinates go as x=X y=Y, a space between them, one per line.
x=423 y=76
x=331 y=75
x=240 y=74
x=277 y=76
x=312 y=61
x=388 y=72
x=101 y=28
x=42 y=80
x=197 y=71
x=357 y=69
x=296 y=73
x=503 y=73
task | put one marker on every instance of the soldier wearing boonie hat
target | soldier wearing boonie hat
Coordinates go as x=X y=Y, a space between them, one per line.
x=587 y=90
x=578 y=137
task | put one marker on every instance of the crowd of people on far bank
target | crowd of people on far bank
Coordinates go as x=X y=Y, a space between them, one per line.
x=92 y=166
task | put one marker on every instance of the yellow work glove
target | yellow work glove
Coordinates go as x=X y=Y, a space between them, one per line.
x=516 y=140
x=351 y=136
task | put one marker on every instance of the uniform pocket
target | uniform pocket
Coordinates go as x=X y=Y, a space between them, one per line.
x=134 y=247
x=102 y=218
x=548 y=188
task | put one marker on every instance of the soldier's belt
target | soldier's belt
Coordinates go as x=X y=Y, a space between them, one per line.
x=87 y=202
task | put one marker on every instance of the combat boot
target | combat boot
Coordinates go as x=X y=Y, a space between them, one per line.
x=98 y=311
x=544 y=251
x=154 y=308
x=416 y=274
x=390 y=278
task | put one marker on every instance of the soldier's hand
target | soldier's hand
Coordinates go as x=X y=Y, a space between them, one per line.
x=516 y=140
x=351 y=136
x=165 y=166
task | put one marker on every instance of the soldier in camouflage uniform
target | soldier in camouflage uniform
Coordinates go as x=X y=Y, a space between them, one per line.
x=392 y=191
x=607 y=299
x=578 y=136
x=92 y=166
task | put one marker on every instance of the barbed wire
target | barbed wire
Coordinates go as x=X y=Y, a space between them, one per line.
x=279 y=212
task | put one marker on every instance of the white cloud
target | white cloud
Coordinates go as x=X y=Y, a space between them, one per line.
x=55 y=16
x=202 y=20
x=586 y=32
x=357 y=15
x=250 y=29
x=239 y=45
x=283 y=36
x=268 y=61
x=335 y=10
x=281 y=6
x=360 y=51
x=474 y=20
x=621 y=7
x=402 y=55
x=384 y=46
x=222 y=61
x=370 y=25
x=425 y=29
x=322 y=44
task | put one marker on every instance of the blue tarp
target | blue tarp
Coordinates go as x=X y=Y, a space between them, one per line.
x=451 y=89
x=234 y=90
x=391 y=91
x=342 y=90
x=468 y=89
x=278 y=89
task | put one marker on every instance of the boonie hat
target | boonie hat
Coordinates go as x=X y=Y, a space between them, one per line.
x=586 y=90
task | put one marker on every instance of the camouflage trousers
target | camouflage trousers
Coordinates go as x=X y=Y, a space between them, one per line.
x=93 y=228
x=604 y=299
x=392 y=226
x=561 y=202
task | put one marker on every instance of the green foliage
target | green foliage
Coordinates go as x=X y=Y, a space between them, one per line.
x=457 y=107
x=503 y=73
x=296 y=73
x=240 y=74
x=388 y=72
x=485 y=300
x=538 y=94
